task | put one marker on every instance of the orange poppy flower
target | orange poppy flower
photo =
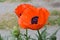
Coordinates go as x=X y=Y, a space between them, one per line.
x=19 y=10
x=30 y=17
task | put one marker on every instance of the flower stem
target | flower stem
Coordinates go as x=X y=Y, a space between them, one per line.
x=40 y=37
x=17 y=38
x=26 y=34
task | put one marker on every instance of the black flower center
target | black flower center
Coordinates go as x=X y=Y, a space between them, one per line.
x=34 y=20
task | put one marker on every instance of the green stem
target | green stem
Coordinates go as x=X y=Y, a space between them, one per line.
x=17 y=38
x=20 y=37
x=26 y=34
x=40 y=37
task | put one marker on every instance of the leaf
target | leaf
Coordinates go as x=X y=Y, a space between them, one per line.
x=43 y=31
x=40 y=36
x=55 y=32
x=53 y=36
x=44 y=34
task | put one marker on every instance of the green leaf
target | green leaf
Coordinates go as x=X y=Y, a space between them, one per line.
x=44 y=34
x=55 y=32
x=43 y=31
x=53 y=36
x=40 y=36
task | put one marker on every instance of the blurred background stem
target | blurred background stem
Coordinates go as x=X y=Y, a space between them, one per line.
x=18 y=38
x=26 y=34
x=40 y=37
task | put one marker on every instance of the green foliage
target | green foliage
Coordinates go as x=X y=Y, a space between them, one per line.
x=53 y=36
x=52 y=22
x=55 y=12
x=1 y=38
x=58 y=21
x=2 y=0
x=16 y=32
x=40 y=36
x=44 y=34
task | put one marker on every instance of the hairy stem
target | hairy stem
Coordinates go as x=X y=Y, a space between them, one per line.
x=40 y=37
